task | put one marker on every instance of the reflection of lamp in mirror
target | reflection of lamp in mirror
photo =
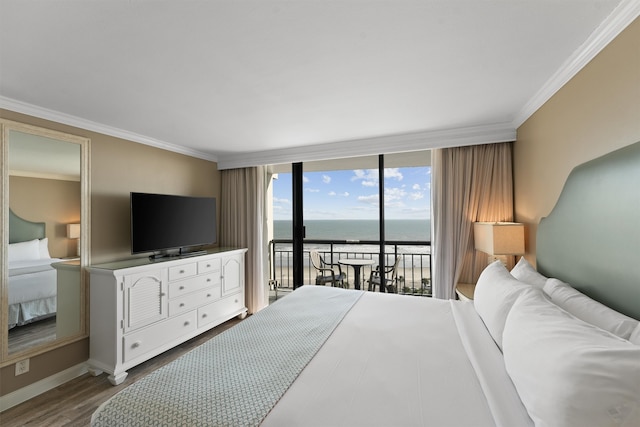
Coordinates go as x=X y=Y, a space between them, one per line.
x=499 y=239
x=73 y=232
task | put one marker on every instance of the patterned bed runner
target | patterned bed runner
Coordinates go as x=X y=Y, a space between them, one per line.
x=238 y=376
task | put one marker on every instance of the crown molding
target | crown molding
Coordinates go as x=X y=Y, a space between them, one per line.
x=623 y=15
x=351 y=148
x=67 y=119
x=500 y=132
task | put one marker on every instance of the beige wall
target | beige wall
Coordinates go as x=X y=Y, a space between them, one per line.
x=596 y=112
x=117 y=168
x=54 y=202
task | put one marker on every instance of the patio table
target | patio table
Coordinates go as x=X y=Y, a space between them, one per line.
x=357 y=264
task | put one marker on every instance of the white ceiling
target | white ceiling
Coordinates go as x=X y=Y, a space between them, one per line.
x=262 y=81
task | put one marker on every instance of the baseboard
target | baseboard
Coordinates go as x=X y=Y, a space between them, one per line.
x=32 y=390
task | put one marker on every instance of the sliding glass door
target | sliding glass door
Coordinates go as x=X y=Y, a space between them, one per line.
x=348 y=209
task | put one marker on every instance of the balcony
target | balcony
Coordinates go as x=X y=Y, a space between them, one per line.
x=414 y=270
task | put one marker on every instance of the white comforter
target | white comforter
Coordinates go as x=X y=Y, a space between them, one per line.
x=404 y=361
x=32 y=290
x=32 y=280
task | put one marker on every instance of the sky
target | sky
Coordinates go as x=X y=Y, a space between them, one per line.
x=353 y=194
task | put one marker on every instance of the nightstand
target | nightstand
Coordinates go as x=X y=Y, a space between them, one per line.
x=465 y=291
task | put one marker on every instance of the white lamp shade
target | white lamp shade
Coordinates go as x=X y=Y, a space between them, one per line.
x=73 y=231
x=499 y=238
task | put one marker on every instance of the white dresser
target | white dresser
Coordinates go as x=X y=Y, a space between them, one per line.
x=141 y=308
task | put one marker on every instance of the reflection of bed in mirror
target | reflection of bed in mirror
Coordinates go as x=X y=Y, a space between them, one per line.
x=32 y=277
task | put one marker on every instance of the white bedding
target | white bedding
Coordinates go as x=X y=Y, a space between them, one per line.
x=392 y=360
x=401 y=360
x=32 y=290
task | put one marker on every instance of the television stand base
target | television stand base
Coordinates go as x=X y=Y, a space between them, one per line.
x=181 y=254
x=190 y=254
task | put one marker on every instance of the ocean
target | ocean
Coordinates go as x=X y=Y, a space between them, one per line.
x=395 y=229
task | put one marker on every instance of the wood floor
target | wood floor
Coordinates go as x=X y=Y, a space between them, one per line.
x=32 y=335
x=72 y=403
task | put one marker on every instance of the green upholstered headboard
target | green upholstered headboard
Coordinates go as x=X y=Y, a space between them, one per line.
x=21 y=230
x=591 y=238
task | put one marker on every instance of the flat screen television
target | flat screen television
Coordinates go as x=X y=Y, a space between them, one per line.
x=162 y=222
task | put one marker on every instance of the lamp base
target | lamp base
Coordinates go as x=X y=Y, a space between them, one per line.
x=506 y=260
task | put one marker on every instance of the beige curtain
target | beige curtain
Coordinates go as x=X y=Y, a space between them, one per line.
x=468 y=184
x=242 y=224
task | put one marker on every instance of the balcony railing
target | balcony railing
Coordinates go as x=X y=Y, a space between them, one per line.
x=414 y=269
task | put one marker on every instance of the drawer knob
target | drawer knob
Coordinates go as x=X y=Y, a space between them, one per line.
x=186 y=323
x=181 y=271
x=162 y=294
x=208 y=295
x=136 y=344
x=208 y=279
x=181 y=288
x=208 y=265
x=204 y=315
x=181 y=304
x=236 y=301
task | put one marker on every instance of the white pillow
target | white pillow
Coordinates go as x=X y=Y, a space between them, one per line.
x=525 y=272
x=568 y=372
x=495 y=293
x=589 y=310
x=44 y=248
x=635 y=335
x=24 y=251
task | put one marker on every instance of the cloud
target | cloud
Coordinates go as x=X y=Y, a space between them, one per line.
x=416 y=195
x=312 y=190
x=358 y=174
x=305 y=179
x=283 y=201
x=370 y=178
x=368 y=175
x=394 y=193
x=393 y=173
x=281 y=208
x=415 y=187
x=394 y=204
x=372 y=199
x=331 y=193
x=326 y=179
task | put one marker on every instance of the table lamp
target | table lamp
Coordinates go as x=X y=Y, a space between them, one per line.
x=73 y=232
x=499 y=239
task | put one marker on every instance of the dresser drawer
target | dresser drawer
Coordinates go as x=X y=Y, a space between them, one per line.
x=209 y=266
x=213 y=312
x=193 y=300
x=182 y=271
x=138 y=343
x=186 y=286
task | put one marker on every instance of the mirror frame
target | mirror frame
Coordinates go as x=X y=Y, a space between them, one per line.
x=6 y=126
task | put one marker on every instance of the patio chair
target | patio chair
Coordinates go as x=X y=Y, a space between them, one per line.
x=390 y=286
x=326 y=274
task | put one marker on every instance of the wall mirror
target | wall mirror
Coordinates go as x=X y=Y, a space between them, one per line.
x=45 y=239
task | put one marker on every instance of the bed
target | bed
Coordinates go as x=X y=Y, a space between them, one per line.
x=32 y=278
x=535 y=346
